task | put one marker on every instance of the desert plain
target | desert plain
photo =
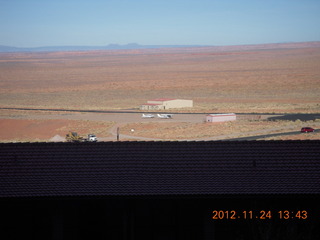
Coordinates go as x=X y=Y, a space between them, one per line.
x=256 y=81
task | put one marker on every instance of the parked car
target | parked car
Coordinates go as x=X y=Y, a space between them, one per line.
x=307 y=129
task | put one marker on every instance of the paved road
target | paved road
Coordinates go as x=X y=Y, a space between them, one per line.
x=109 y=111
x=280 y=116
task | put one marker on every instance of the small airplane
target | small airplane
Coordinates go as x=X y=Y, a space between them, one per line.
x=147 y=116
x=164 y=115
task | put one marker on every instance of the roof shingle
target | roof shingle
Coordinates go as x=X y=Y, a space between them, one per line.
x=159 y=168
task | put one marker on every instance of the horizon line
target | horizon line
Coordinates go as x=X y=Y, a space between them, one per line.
x=130 y=46
x=138 y=44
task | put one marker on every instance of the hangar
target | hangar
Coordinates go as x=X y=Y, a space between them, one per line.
x=221 y=117
x=166 y=103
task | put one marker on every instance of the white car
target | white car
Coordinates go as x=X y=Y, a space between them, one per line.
x=147 y=116
x=164 y=115
x=92 y=138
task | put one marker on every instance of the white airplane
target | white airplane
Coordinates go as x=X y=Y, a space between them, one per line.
x=164 y=115
x=147 y=116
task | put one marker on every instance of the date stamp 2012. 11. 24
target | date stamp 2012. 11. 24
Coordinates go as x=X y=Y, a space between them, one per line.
x=259 y=214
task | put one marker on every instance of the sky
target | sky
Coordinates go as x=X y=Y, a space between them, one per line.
x=38 y=23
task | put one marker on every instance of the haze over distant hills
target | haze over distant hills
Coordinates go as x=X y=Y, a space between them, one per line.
x=88 y=48
x=8 y=49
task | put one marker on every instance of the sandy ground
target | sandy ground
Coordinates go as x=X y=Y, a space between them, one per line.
x=27 y=126
x=230 y=79
x=272 y=80
x=24 y=126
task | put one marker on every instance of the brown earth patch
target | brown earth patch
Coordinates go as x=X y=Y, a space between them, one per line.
x=187 y=130
x=301 y=136
x=25 y=130
x=273 y=80
x=238 y=79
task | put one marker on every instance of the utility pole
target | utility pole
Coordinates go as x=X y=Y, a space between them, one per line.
x=118 y=130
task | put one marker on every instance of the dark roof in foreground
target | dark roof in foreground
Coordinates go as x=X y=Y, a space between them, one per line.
x=159 y=168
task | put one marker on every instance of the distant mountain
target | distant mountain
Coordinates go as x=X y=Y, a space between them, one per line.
x=8 y=49
x=89 y=48
x=185 y=47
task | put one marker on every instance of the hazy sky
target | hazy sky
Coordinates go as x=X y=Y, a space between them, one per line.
x=33 y=23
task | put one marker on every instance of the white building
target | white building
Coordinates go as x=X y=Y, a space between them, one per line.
x=166 y=103
x=221 y=117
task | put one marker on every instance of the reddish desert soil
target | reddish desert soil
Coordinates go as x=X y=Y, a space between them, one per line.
x=232 y=80
x=19 y=126
x=264 y=79
x=28 y=130
x=302 y=136
x=214 y=131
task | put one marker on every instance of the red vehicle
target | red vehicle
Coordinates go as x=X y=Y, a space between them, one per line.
x=307 y=129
